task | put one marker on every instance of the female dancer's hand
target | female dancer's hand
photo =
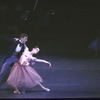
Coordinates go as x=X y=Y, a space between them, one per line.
x=49 y=65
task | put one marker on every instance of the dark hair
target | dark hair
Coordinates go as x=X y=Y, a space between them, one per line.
x=23 y=35
x=34 y=46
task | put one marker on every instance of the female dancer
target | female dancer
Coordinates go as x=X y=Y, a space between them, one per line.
x=23 y=75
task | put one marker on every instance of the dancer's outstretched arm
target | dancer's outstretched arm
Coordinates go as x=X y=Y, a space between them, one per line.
x=8 y=38
x=44 y=61
x=16 y=39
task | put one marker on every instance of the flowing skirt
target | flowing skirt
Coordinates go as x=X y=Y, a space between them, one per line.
x=23 y=76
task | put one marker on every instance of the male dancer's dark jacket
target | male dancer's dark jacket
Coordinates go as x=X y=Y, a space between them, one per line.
x=13 y=46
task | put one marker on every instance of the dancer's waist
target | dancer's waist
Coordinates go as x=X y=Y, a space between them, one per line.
x=25 y=63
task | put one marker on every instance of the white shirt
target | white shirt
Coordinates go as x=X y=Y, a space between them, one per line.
x=18 y=48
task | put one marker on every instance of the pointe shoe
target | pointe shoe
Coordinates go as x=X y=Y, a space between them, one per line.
x=47 y=89
x=17 y=92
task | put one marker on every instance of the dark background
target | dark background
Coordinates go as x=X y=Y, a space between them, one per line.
x=64 y=27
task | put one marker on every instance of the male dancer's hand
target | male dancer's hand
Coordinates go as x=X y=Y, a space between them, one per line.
x=16 y=39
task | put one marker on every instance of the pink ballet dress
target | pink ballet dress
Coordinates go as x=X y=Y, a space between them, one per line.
x=23 y=75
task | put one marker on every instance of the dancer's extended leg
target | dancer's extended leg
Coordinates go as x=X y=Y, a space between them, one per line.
x=16 y=90
x=47 y=89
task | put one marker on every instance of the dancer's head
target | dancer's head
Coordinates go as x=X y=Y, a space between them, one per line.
x=35 y=50
x=23 y=37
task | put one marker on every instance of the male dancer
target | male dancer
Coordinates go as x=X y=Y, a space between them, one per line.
x=14 y=53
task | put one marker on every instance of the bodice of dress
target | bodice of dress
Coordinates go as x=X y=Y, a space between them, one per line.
x=26 y=60
x=26 y=57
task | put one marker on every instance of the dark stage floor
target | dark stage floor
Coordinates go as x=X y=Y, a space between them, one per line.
x=68 y=78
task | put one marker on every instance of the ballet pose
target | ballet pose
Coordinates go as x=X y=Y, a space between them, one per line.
x=23 y=75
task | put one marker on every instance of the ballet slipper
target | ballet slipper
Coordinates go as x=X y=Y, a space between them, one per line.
x=46 y=89
x=17 y=92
